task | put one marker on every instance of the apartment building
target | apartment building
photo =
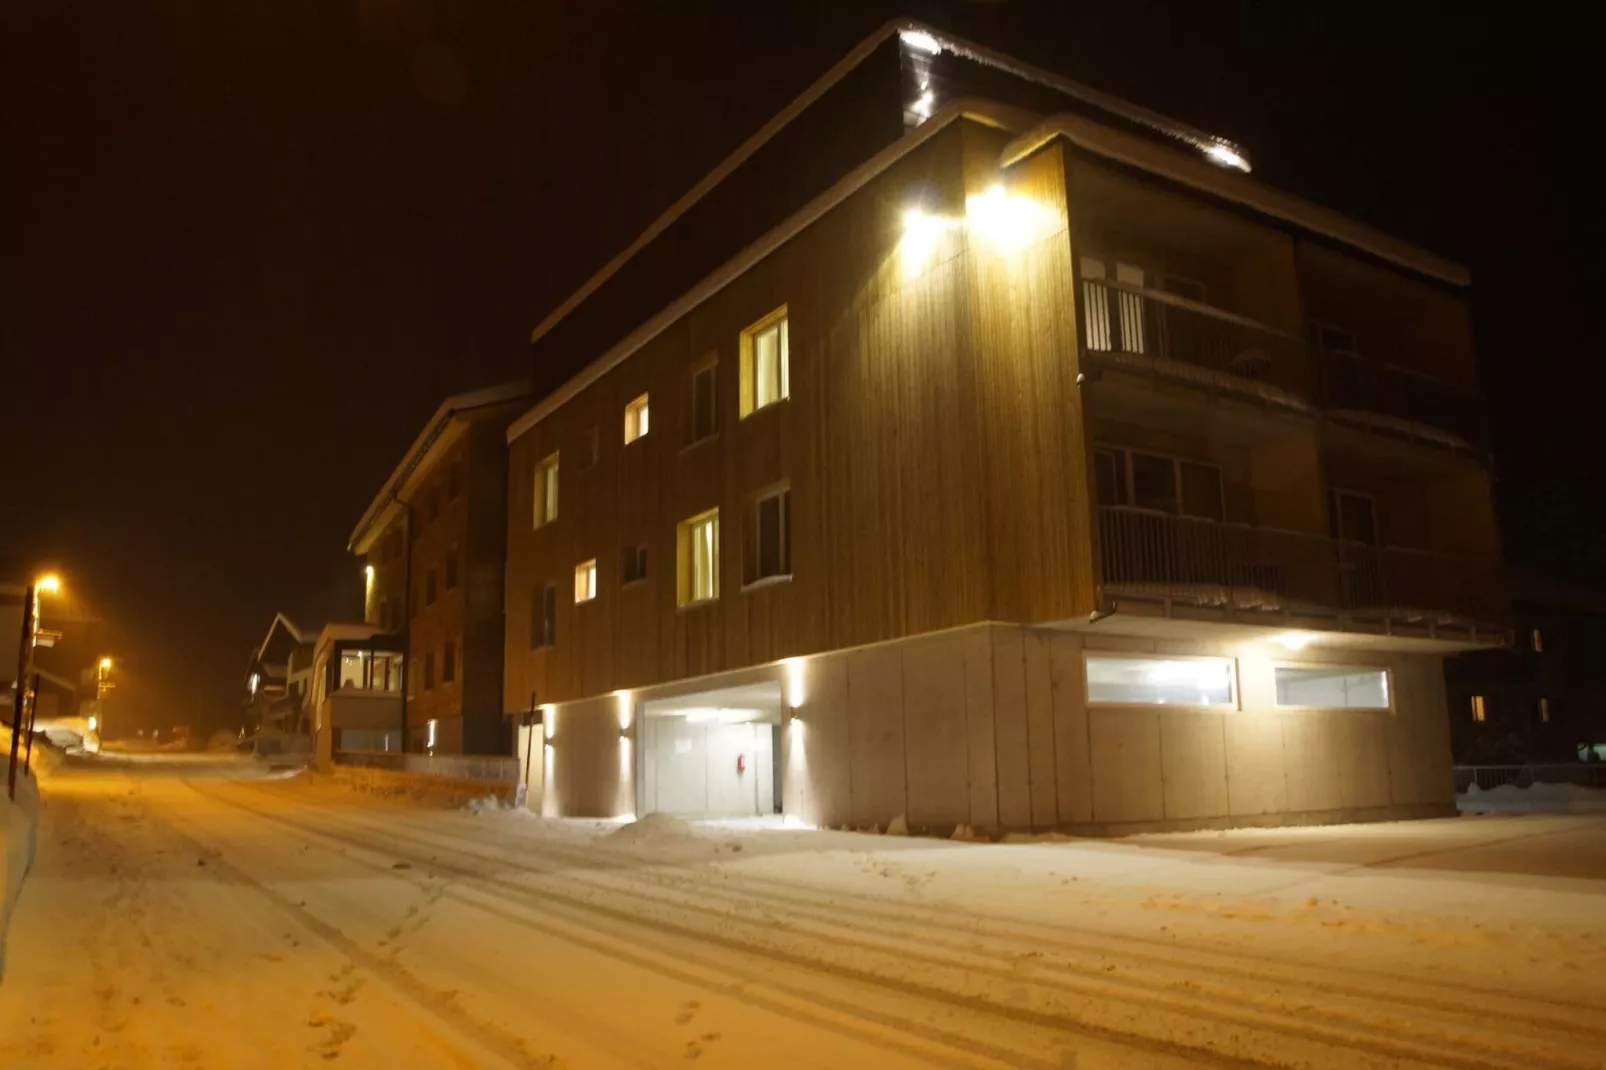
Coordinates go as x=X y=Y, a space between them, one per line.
x=433 y=539
x=1019 y=462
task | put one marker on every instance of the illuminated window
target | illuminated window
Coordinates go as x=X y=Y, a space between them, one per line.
x=1544 y=710
x=633 y=564
x=1538 y=641
x=585 y=581
x=544 y=617
x=767 y=545
x=546 y=491
x=1341 y=687
x=1123 y=679
x=1479 y=714
x=449 y=663
x=766 y=360
x=636 y=419
x=703 y=397
x=697 y=552
x=451 y=568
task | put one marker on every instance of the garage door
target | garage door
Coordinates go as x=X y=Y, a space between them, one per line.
x=705 y=768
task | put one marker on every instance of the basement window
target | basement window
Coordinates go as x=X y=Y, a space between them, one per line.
x=1136 y=680
x=1333 y=687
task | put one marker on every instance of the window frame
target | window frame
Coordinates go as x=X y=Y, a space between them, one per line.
x=638 y=417
x=546 y=491
x=1388 y=687
x=585 y=573
x=778 y=319
x=1233 y=704
x=685 y=560
x=636 y=552
x=1126 y=482
x=709 y=366
x=752 y=534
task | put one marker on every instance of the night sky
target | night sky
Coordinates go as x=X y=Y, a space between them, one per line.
x=247 y=248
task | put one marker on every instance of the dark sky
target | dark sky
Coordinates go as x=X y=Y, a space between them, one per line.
x=247 y=248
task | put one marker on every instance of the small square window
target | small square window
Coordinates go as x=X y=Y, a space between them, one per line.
x=766 y=362
x=633 y=564
x=449 y=663
x=546 y=491
x=636 y=419
x=585 y=581
x=697 y=552
x=767 y=550
x=544 y=617
x=703 y=402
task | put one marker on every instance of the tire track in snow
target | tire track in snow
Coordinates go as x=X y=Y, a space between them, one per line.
x=1292 y=1023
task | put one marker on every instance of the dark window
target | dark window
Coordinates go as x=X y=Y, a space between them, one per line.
x=1201 y=491
x=591 y=451
x=769 y=539
x=451 y=568
x=1193 y=291
x=1109 y=474
x=633 y=564
x=432 y=504
x=544 y=617
x=1154 y=482
x=454 y=480
x=429 y=670
x=702 y=403
x=1333 y=340
x=429 y=587
x=449 y=663
x=1353 y=518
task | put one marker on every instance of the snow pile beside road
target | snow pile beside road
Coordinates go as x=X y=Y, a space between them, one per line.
x=1538 y=799
x=21 y=820
x=654 y=828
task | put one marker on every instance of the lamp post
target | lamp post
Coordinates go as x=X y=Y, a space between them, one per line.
x=47 y=584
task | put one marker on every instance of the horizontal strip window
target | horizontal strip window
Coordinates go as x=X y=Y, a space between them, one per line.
x=1121 y=679
x=1332 y=687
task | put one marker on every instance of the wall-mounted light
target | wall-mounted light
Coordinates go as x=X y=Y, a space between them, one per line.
x=1224 y=154
x=50 y=583
x=922 y=234
x=1009 y=222
x=549 y=721
x=920 y=41
x=796 y=690
x=1294 y=640
x=106 y=664
x=625 y=709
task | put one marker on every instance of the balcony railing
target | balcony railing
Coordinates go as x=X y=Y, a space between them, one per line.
x=1161 y=333
x=1234 y=566
x=1397 y=400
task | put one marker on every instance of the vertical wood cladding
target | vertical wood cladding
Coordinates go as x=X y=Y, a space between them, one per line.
x=932 y=442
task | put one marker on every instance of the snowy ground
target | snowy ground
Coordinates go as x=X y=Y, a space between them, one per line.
x=179 y=914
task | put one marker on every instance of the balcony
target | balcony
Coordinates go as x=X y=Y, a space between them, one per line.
x=1158 y=334
x=1396 y=401
x=1247 y=571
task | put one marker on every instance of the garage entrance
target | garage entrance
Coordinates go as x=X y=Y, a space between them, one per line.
x=712 y=754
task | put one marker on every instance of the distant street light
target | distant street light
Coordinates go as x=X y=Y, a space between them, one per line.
x=49 y=583
x=106 y=664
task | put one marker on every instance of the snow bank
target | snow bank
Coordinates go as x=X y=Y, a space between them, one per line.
x=898 y=826
x=654 y=828
x=1538 y=799
x=21 y=821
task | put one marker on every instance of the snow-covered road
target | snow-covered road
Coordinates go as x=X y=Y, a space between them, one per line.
x=181 y=914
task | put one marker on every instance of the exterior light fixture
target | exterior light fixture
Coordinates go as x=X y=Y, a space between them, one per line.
x=795 y=676
x=1224 y=154
x=94 y=723
x=920 y=41
x=625 y=709
x=922 y=232
x=1294 y=640
x=48 y=584
x=549 y=721
x=106 y=664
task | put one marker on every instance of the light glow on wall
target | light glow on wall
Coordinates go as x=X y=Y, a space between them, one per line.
x=430 y=729
x=796 y=690
x=1006 y=221
x=1294 y=640
x=625 y=709
x=549 y=721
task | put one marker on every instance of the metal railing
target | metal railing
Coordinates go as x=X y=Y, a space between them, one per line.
x=1120 y=319
x=463 y=766
x=1207 y=562
x=1488 y=777
x=1354 y=384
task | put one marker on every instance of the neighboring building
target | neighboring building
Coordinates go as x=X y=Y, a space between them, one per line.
x=354 y=701
x=1543 y=698
x=276 y=684
x=979 y=449
x=434 y=538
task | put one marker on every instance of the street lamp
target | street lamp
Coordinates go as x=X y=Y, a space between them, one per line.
x=50 y=583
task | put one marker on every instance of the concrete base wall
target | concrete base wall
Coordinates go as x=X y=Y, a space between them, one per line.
x=989 y=726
